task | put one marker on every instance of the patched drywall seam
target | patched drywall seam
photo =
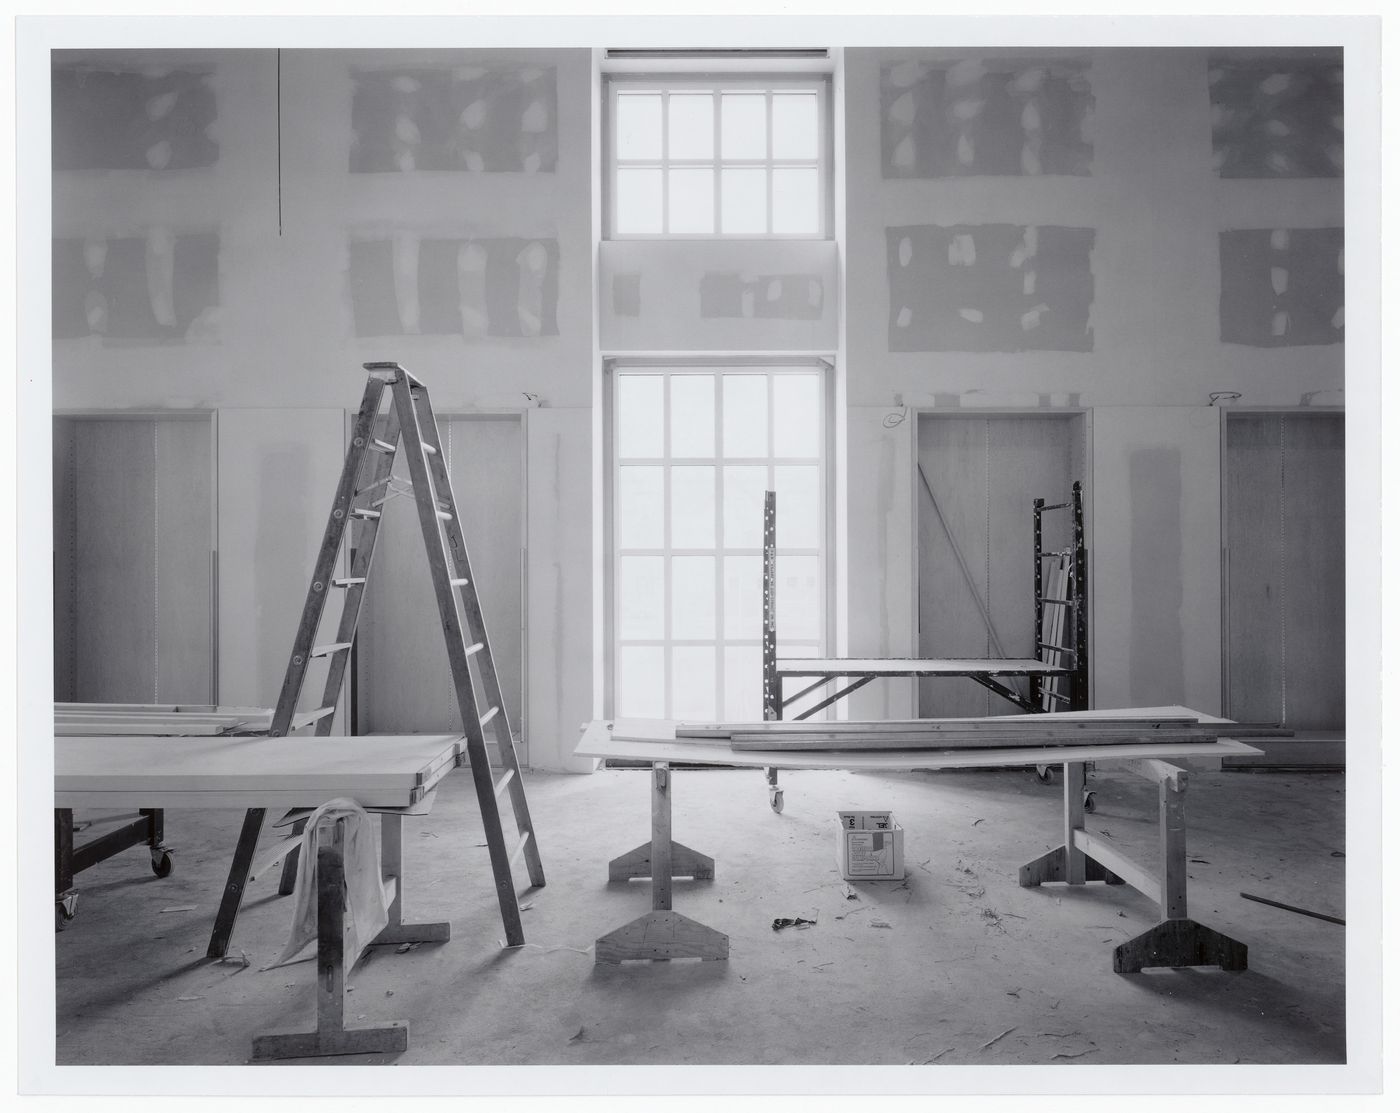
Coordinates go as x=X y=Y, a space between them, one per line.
x=155 y=119
x=162 y=287
x=466 y=118
x=1282 y=287
x=406 y=284
x=989 y=288
x=787 y=297
x=985 y=117
x=1277 y=119
x=1156 y=669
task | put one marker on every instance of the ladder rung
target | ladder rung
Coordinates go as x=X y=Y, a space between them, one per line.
x=490 y=715
x=1061 y=602
x=363 y=512
x=459 y=583
x=504 y=782
x=429 y=449
x=1054 y=553
x=1057 y=696
x=1053 y=648
x=382 y=446
x=1055 y=506
x=519 y=846
x=348 y=581
x=306 y=718
x=444 y=515
x=475 y=647
x=329 y=648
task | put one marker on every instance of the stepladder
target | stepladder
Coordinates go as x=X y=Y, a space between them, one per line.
x=396 y=416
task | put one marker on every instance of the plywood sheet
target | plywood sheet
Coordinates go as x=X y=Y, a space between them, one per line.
x=655 y=740
x=389 y=771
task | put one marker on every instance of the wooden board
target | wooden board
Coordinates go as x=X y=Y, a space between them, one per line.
x=915 y=666
x=655 y=740
x=968 y=741
x=1026 y=724
x=148 y=771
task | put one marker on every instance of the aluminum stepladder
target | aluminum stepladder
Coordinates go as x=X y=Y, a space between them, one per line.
x=366 y=484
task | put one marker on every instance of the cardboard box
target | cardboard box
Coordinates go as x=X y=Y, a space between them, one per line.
x=871 y=847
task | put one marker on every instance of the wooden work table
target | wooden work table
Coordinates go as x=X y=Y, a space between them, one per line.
x=390 y=775
x=1081 y=857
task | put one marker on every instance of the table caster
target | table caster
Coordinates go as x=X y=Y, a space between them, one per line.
x=775 y=799
x=65 y=908
x=1089 y=804
x=161 y=865
x=1044 y=774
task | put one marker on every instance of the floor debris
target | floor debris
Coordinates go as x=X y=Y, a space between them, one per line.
x=881 y=924
x=1074 y=1054
x=794 y=921
x=998 y=1037
x=181 y=908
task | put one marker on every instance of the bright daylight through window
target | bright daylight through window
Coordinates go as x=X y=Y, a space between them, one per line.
x=694 y=452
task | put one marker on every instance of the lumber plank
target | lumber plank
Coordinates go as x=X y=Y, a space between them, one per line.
x=999 y=724
x=967 y=741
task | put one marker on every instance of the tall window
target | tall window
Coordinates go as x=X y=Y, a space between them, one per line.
x=694 y=450
x=730 y=158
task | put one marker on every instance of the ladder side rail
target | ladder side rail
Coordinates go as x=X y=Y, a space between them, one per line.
x=1079 y=687
x=484 y=659
x=1037 y=509
x=426 y=499
x=360 y=565
x=331 y=540
x=772 y=684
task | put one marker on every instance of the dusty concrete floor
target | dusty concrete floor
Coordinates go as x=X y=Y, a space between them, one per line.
x=972 y=969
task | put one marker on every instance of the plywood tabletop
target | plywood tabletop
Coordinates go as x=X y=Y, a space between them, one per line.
x=916 y=666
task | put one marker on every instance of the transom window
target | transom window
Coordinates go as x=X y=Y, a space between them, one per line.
x=723 y=158
x=694 y=451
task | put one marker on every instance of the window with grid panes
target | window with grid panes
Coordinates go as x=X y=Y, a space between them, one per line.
x=720 y=158
x=694 y=450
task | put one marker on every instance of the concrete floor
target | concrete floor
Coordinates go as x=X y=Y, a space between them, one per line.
x=971 y=969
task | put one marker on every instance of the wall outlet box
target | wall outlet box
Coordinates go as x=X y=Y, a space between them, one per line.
x=871 y=854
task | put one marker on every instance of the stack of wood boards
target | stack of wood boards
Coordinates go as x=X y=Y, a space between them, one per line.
x=1002 y=732
x=161 y=772
x=87 y=719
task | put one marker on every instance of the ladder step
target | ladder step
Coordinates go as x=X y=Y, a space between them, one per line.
x=519 y=846
x=504 y=782
x=381 y=446
x=490 y=715
x=348 y=581
x=1057 y=697
x=1061 y=602
x=329 y=648
x=429 y=449
x=363 y=512
x=306 y=718
x=1054 y=648
x=459 y=583
x=475 y=648
x=444 y=515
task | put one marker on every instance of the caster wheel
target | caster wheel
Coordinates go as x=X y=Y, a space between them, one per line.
x=65 y=908
x=775 y=801
x=161 y=865
x=1089 y=804
x=1044 y=774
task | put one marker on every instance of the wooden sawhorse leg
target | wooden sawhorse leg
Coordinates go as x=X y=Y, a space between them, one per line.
x=661 y=933
x=1177 y=940
x=331 y=1036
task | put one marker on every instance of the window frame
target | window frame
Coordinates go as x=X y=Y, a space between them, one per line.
x=823 y=552
x=717 y=83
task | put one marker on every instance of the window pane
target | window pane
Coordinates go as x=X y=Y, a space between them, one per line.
x=692 y=126
x=799 y=602
x=743 y=597
x=743 y=201
x=693 y=683
x=746 y=415
x=743 y=684
x=692 y=597
x=692 y=201
x=743 y=506
x=641 y=682
x=693 y=507
x=639 y=409
x=638 y=125
x=795 y=125
x=797 y=415
x=639 y=508
x=639 y=201
x=641 y=597
x=799 y=507
x=795 y=200
x=692 y=415
x=743 y=125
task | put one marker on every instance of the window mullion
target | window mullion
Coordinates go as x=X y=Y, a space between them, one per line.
x=768 y=173
x=666 y=653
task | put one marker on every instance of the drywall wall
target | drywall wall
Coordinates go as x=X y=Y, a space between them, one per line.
x=728 y=295
x=1120 y=230
x=242 y=230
